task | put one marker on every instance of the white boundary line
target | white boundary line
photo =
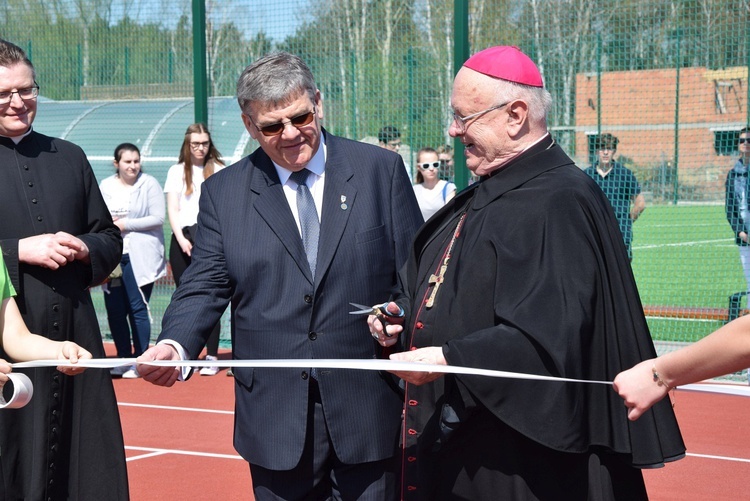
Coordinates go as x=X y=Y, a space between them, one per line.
x=158 y=452
x=173 y=408
x=719 y=458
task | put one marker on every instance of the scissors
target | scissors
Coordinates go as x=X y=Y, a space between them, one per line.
x=379 y=311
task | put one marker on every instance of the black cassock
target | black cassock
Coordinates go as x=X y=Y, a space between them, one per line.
x=538 y=282
x=67 y=442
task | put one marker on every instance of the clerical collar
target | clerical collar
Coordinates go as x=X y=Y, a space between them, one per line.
x=545 y=142
x=17 y=139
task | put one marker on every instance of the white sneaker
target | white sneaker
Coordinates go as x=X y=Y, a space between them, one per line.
x=119 y=371
x=131 y=373
x=210 y=370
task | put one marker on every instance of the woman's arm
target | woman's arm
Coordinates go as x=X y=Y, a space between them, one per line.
x=173 y=212
x=724 y=351
x=153 y=216
x=21 y=345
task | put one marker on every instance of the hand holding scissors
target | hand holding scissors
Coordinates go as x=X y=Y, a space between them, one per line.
x=386 y=317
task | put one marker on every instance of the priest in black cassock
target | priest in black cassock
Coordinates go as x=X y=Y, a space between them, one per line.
x=57 y=239
x=524 y=271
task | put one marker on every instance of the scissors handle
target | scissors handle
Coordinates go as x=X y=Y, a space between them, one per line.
x=382 y=314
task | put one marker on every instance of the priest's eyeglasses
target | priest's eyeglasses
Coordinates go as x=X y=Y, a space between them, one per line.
x=462 y=121
x=278 y=127
x=26 y=94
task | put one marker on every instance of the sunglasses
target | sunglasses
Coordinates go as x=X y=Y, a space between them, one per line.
x=744 y=140
x=278 y=128
x=429 y=165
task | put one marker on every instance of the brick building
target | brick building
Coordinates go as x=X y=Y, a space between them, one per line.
x=639 y=108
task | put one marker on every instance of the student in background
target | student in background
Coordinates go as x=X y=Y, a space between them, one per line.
x=136 y=203
x=431 y=191
x=198 y=160
x=620 y=185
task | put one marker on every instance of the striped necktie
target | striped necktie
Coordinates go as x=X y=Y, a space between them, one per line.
x=308 y=218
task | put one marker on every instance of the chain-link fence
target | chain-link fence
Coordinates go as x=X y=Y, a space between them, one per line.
x=669 y=79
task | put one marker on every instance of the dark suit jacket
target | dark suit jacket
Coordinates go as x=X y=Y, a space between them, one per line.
x=248 y=251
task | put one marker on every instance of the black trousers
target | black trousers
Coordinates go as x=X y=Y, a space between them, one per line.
x=320 y=475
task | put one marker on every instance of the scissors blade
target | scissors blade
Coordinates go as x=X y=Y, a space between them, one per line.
x=363 y=310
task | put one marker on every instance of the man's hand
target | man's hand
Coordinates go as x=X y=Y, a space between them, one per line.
x=430 y=355
x=52 y=250
x=161 y=376
x=389 y=335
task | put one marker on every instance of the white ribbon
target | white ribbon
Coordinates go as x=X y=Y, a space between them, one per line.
x=23 y=390
x=333 y=363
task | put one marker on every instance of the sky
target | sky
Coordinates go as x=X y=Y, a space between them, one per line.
x=277 y=18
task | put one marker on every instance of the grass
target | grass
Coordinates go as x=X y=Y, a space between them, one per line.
x=685 y=255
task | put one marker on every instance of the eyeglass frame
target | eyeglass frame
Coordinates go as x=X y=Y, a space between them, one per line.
x=461 y=121
x=202 y=145
x=429 y=165
x=34 y=89
x=743 y=140
x=283 y=123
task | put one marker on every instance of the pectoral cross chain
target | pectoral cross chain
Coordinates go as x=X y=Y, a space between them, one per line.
x=437 y=280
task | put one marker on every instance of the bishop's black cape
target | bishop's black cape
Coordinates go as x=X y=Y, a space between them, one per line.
x=67 y=442
x=539 y=282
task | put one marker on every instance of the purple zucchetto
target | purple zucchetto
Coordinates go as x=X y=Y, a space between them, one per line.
x=508 y=63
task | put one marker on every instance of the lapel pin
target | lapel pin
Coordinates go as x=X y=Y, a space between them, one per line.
x=343 y=203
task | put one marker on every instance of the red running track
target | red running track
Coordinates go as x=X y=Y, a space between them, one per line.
x=179 y=444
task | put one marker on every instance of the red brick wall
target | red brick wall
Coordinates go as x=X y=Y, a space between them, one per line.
x=639 y=108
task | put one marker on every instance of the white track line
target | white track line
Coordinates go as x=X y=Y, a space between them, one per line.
x=720 y=458
x=172 y=408
x=157 y=452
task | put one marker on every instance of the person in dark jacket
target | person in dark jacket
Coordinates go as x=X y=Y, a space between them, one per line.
x=524 y=271
x=736 y=201
x=58 y=240
x=290 y=235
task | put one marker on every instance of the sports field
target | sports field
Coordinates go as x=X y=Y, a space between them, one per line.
x=685 y=256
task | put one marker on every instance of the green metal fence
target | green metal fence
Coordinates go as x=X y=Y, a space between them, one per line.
x=668 y=78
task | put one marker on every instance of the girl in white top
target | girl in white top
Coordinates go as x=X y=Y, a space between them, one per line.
x=431 y=191
x=198 y=160
x=136 y=203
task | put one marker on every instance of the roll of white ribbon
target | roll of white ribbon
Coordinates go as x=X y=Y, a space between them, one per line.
x=23 y=390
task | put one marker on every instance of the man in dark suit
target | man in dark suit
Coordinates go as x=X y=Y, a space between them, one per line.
x=307 y=434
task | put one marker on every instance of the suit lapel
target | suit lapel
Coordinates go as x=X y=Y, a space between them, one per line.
x=272 y=206
x=338 y=200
